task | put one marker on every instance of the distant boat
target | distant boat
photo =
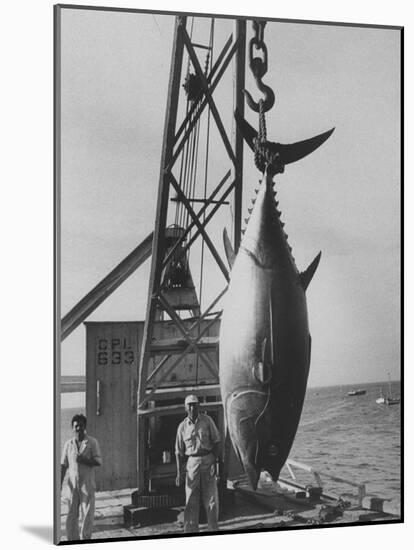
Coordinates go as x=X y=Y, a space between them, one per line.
x=357 y=392
x=387 y=399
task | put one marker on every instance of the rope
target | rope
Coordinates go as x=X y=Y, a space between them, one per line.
x=179 y=211
x=262 y=123
x=188 y=173
x=260 y=156
x=178 y=208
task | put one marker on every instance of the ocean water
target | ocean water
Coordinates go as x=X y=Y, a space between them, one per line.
x=353 y=438
x=348 y=437
x=72 y=403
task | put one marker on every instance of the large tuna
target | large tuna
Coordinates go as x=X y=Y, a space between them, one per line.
x=265 y=345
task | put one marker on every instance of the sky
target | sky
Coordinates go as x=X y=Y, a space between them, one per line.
x=344 y=199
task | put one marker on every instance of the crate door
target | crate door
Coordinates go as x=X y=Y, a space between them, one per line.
x=111 y=400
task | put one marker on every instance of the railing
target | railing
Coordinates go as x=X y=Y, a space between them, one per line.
x=317 y=475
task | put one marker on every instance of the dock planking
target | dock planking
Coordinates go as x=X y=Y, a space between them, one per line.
x=252 y=510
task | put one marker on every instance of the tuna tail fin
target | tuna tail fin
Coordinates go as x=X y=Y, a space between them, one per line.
x=230 y=254
x=289 y=152
x=306 y=276
x=295 y=151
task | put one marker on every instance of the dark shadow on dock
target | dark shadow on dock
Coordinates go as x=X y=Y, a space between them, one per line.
x=43 y=532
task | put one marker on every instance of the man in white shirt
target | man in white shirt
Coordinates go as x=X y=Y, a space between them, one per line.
x=80 y=456
x=198 y=439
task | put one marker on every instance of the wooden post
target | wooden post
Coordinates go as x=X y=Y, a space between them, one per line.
x=106 y=287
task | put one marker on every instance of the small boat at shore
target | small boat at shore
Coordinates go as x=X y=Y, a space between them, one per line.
x=357 y=392
x=387 y=399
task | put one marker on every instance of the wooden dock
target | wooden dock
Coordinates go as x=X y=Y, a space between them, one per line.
x=272 y=506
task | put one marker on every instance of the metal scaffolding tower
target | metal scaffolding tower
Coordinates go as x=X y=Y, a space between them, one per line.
x=171 y=290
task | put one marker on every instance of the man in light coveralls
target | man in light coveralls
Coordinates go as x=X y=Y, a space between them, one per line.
x=198 y=438
x=80 y=456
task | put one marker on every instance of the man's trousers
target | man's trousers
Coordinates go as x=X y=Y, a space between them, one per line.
x=201 y=483
x=81 y=502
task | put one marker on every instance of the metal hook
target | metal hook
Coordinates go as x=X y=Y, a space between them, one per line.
x=258 y=66
x=268 y=101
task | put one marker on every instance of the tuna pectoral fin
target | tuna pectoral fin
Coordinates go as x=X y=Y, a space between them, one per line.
x=306 y=276
x=262 y=370
x=231 y=256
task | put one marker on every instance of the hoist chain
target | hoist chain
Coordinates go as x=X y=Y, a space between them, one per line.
x=265 y=158
x=258 y=66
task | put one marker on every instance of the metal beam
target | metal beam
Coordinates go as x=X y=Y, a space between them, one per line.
x=200 y=227
x=106 y=287
x=170 y=409
x=159 y=245
x=209 y=97
x=240 y=70
x=203 y=201
x=206 y=220
x=176 y=392
x=210 y=307
x=188 y=229
x=158 y=368
x=192 y=347
x=201 y=106
x=147 y=397
x=211 y=214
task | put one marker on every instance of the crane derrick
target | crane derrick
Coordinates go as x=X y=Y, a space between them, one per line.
x=171 y=292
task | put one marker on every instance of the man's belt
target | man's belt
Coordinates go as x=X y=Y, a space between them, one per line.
x=200 y=453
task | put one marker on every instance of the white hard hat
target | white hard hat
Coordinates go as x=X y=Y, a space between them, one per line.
x=190 y=399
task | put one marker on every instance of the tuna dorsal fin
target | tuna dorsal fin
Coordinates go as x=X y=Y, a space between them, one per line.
x=231 y=256
x=306 y=276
